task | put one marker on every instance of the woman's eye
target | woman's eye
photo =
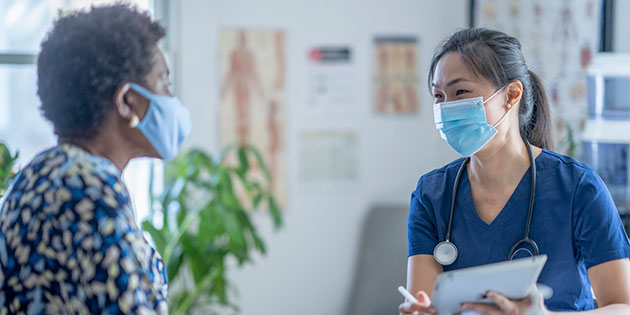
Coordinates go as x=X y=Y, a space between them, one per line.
x=437 y=96
x=460 y=92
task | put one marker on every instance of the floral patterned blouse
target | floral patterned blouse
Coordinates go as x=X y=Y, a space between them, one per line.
x=69 y=242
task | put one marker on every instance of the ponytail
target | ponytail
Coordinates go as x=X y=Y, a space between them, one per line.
x=497 y=57
x=538 y=128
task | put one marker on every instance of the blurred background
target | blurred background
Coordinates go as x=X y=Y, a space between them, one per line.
x=336 y=100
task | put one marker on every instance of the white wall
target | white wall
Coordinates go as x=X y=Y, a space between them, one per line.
x=621 y=27
x=310 y=262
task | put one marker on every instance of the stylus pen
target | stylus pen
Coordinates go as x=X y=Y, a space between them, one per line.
x=407 y=295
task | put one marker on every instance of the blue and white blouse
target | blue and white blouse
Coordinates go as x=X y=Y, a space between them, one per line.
x=69 y=242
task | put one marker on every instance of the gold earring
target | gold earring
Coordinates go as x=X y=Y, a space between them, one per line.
x=134 y=121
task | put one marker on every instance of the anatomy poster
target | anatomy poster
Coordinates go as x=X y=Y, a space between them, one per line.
x=558 y=40
x=395 y=78
x=252 y=97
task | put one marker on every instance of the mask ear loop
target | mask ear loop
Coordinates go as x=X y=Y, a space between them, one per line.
x=134 y=120
x=509 y=106
x=504 y=115
x=493 y=95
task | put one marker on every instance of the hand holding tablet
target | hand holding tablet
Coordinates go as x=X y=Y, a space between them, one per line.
x=513 y=279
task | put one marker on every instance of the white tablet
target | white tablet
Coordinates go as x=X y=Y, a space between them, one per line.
x=513 y=278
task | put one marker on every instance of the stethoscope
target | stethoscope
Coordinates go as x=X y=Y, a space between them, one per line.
x=445 y=252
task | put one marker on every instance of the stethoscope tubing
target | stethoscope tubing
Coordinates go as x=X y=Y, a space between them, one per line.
x=532 y=198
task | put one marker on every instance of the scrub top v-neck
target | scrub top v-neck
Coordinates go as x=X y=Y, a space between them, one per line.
x=575 y=223
x=518 y=199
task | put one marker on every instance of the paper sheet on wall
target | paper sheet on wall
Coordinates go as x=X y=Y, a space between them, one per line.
x=252 y=92
x=328 y=157
x=558 y=40
x=395 y=78
x=331 y=85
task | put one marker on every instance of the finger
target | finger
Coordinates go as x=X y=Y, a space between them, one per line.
x=411 y=308
x=503 y=302
x=423 y=298
x=482 y=308
x=405 y=312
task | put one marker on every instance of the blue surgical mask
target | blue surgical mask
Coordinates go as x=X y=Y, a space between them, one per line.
x=463 y=125
x=166 y=123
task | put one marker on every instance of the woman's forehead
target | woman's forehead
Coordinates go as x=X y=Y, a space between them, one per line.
x=451 y=67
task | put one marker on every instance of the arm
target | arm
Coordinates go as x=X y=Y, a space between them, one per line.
x=124 y=274
x=604 y=245
x=422 y=270
x=611 y=284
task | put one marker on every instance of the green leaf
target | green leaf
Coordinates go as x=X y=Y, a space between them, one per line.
x=7 y=164
x=259 y=244
x=205 y=191
x=183 y=228
x=242 y=157
x=219 y=159
x=237 y=239
x=243 y=180
x=158 y=237
x=228 y=196
x=219 y=287
x=260 y=161
x=275 y=212
x=199 y=288
x=174 y=266
x=210 y=225
x=257 y=199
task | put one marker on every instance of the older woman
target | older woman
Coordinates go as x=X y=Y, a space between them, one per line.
x=68 y=239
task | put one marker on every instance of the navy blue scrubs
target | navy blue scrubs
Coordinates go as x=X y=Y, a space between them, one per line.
x=575 y=223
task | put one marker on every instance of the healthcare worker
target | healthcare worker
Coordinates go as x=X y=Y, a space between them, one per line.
x=491 y=206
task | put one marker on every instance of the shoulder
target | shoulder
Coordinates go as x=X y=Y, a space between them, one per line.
x=438 y=177
x=557 y=159
x=579 y=182
x=67 y=186
x=64 y=163
x=568 y=168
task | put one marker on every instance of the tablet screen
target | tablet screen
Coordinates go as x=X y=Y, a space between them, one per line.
x=513 y=279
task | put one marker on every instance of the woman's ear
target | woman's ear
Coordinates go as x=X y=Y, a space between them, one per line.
x=121 y=101
x=514 y=93
x=124 y=99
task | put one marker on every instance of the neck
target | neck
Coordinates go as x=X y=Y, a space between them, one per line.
x=107 y=145
x=500 y=163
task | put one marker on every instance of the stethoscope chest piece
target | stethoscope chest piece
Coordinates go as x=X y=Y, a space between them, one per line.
x=445 y=253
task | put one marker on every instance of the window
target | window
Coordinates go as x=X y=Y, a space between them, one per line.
x=23 y=25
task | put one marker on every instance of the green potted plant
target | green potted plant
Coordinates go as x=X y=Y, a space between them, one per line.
x=7 y=168
x=206 y=207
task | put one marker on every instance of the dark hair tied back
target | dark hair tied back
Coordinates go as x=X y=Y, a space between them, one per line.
x=497 y=57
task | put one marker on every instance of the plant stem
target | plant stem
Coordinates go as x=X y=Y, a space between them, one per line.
x=202 y=286
x=188 y=221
